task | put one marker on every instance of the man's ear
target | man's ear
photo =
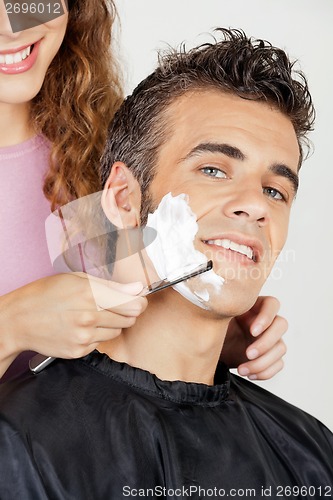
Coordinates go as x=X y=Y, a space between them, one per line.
x=121 y=198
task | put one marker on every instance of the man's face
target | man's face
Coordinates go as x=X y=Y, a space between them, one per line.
x=237 y=161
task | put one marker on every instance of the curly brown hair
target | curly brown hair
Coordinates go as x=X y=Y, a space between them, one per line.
x=80 y=94
x=249 y=68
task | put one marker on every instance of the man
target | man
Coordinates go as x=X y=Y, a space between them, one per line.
x=222 y=124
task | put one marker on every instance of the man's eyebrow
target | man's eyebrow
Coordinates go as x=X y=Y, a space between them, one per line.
x=284 y=171
x=214 y=147
x=235 y=153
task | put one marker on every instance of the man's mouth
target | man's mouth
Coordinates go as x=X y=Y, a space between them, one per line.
x=231 y=245
x=250 y=249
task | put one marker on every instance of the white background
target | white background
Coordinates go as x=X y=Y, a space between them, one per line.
x=304 y=276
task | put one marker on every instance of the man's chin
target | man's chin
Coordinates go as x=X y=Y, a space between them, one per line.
x=229 y=303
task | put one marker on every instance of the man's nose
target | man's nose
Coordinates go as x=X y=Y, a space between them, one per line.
x=249 y=203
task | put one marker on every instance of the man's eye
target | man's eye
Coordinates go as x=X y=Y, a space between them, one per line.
x=274 y=193
x=214 y=172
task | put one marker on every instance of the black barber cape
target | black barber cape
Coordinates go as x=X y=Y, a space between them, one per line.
x=97 y=429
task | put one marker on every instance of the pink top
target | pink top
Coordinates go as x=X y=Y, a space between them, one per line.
x=23 y=209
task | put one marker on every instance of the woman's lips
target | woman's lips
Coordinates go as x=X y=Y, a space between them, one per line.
x=21 y=66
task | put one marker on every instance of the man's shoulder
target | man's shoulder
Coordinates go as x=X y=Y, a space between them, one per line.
x=272 y=411
x=65 y=389
x=27 y=393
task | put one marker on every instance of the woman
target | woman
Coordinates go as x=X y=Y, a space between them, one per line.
x=59 y=88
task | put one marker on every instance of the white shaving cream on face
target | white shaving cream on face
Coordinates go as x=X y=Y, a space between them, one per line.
x=173 y=253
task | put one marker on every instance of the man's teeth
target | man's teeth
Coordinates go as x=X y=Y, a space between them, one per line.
x=16 y=57
x=228 y=244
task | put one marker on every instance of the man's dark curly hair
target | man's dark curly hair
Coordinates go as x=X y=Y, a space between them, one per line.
x=249 y=68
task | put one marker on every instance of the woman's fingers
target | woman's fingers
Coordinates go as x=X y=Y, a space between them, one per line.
x=265 y=364
x=269 y=372
x=59 y=316
x=266 y=309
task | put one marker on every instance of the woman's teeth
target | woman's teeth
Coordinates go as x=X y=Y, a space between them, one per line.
x=231 y=245
x=16 y=57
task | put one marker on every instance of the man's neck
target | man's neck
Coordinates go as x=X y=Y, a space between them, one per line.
x=14 y=124
x=173 y=339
